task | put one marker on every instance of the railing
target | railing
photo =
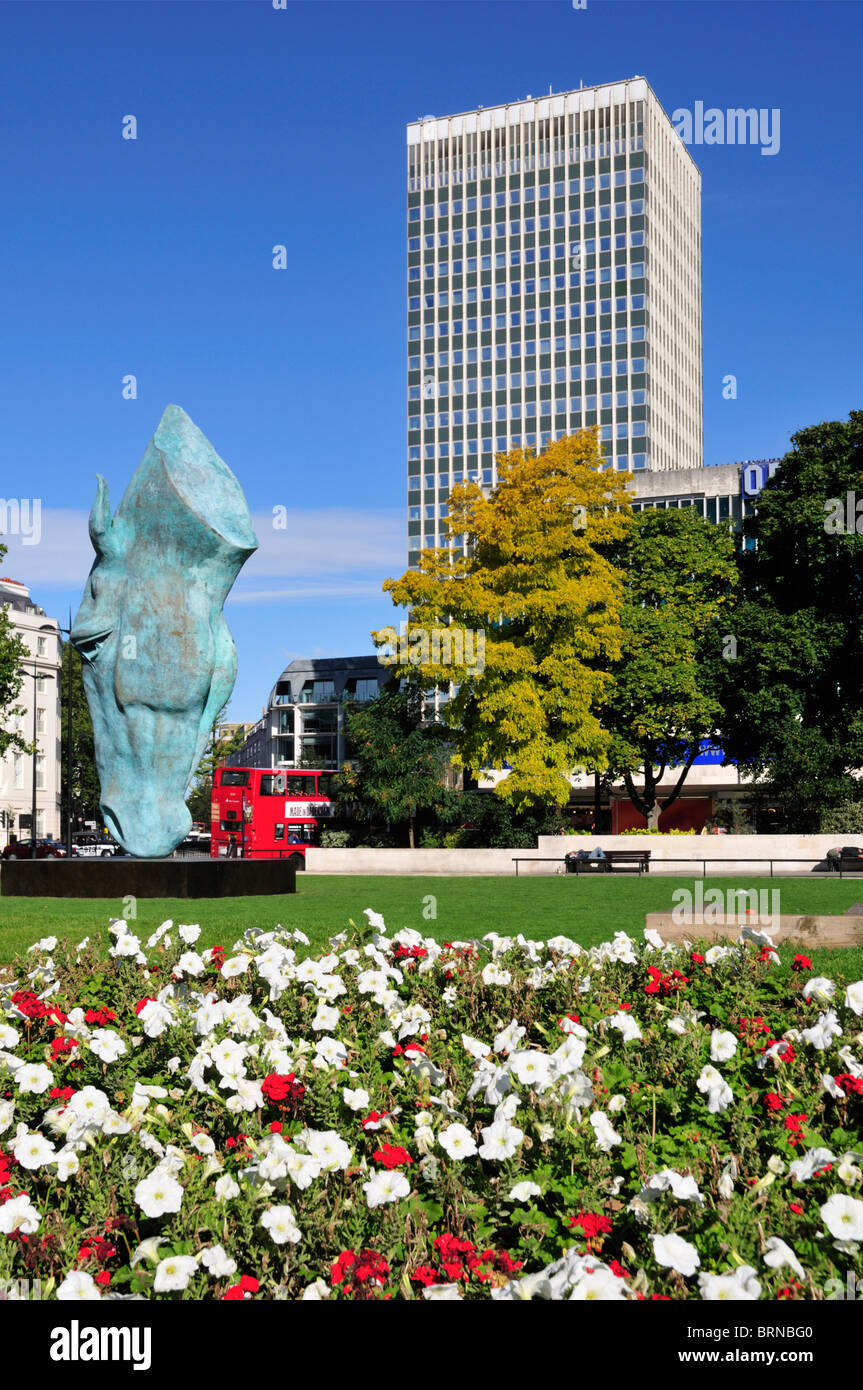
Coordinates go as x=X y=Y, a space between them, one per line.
x=681 y=859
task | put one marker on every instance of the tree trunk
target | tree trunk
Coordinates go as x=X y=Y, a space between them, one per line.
x=411 y=832
x=653 y=816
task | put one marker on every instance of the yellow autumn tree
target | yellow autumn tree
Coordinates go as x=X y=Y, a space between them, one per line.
x=527 y=622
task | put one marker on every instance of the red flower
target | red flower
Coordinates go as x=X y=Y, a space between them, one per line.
x=392 y=1156
x=280 y=1088
x=592 y=1223
x=103 y=1278
x=849 y=1083
x=425 y=1275
x=699 y=960
x=142 y=1003
x=801 y=963
x=773 y=1100
x=796 y=1208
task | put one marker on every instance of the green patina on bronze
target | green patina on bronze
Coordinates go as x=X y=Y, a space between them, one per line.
x=159 y=661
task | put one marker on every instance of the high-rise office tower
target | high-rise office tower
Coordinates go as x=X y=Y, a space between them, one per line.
x=554 y=282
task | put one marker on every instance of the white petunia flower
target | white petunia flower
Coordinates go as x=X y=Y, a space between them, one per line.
x=606 y=1136
x=600 y=1286
x=722 y=1046
x=106 y=1044
x=236 y=965
x=741 y=1286
x=494 y=975
x=159 y=1193
x=625 y=1025
x=174 y=1272
x=385 y=1186
x=523 y=1191
x=33 y=1078
x=673 y=1252
x=719 y=1093
x=19 y=1214
x=780 y=1254
x=854 y=997
x=819 y=988
x=843 y=1217
x=500 y=1141
x=226 y=1189
x=325 y=1019
x=457 y=1142
x=508 y=1038
x=77 y=1287
x=474 y=1046
x=219 y=1264
x=823 y=1032
x=329 y=1149
x=33 y=1150
x=189 y=934
x=355 y=1100
x=530 y=1067
x=280 y=1223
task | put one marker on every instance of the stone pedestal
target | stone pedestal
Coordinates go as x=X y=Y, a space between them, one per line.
x=146 y=878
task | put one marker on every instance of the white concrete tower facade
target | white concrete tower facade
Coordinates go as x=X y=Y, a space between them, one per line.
x=554 y=282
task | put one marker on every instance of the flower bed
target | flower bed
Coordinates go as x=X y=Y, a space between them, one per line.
x=400 y=1119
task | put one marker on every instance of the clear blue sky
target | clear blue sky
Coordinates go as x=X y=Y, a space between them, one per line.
x=259 y=126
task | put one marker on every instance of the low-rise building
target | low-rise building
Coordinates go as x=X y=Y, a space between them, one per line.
x=40 y=697
x=303 y=722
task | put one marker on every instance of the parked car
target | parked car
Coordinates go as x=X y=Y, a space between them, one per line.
x=45 y=849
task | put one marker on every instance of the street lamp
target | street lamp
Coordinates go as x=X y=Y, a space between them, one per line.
x=35 y=675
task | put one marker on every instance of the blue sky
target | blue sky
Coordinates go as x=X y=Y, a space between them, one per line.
x=259 y=127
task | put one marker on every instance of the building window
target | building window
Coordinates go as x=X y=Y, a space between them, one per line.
x=40 y=772
x=40 y=720
x=318 y=692
x=41 y=646
x=19 y=770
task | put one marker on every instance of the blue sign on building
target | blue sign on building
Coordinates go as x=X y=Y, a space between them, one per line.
x=754 y=475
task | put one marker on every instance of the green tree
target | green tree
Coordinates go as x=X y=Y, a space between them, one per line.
x=680 y=574
x=83 y=796
x=535 y=588
x=400 y=764
x=794 y=694
x=218 y=750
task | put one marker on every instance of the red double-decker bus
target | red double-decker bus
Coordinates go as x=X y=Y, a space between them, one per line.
x=257 y=813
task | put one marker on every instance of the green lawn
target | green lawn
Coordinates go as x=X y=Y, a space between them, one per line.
x=588 y=909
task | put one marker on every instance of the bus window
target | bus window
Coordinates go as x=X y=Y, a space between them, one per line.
x=325 y=784
x=299 y=785
x=301 y=834
x=273 y=784
x=232 y=778
x=279 y=831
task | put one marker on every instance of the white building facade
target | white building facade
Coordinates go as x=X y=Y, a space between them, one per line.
x=554 y=283
x=40 y=694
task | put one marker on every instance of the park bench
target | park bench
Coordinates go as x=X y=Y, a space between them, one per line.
x=850 y=858
x=614 y=858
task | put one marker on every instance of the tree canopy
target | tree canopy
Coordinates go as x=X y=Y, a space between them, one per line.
x=536 y=593
x=794 y=695
x=679 y=574
x=399 y=768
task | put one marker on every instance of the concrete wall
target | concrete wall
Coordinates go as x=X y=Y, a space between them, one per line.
x=422 y=861
x=805 y=853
